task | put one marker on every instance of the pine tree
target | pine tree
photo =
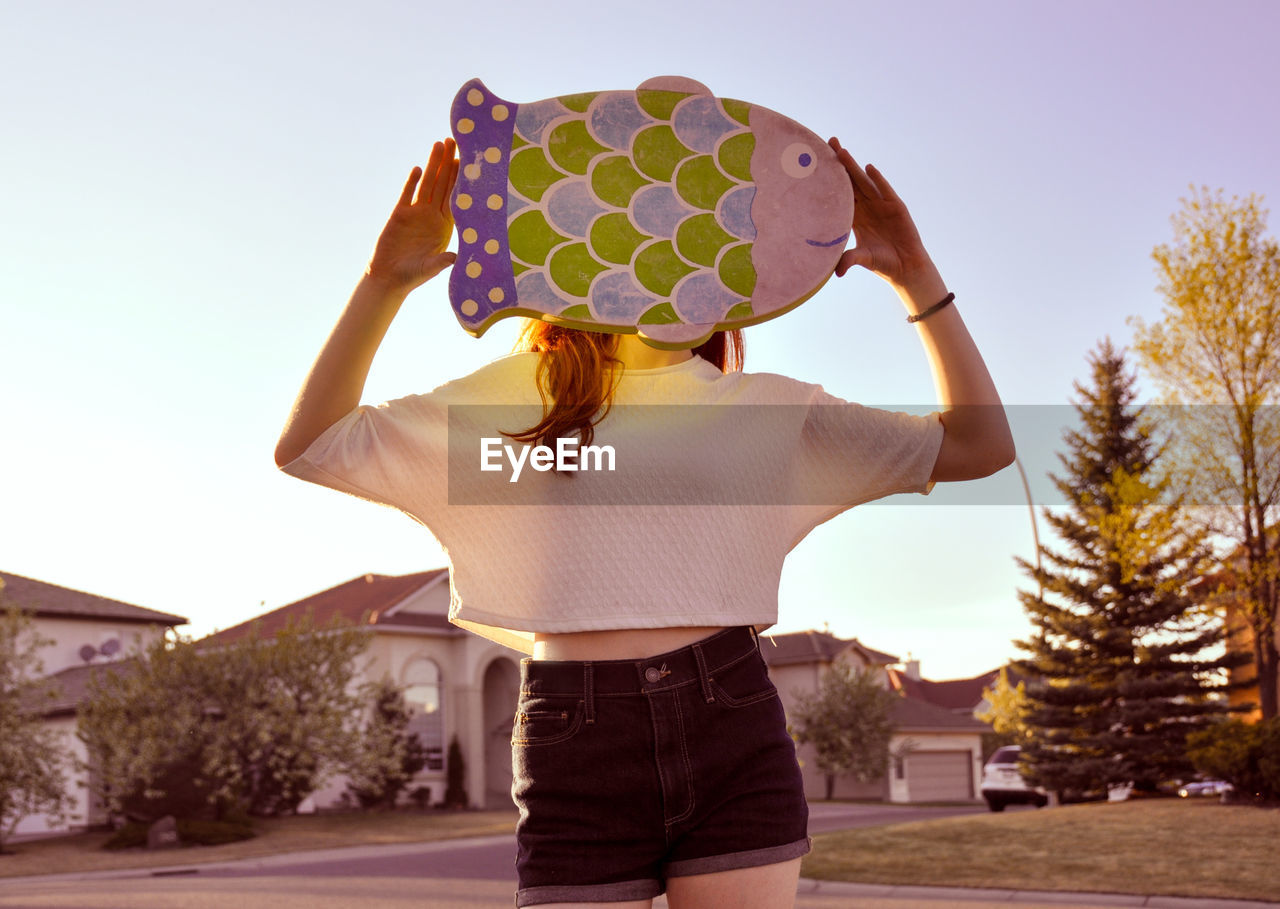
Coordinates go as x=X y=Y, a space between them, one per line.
x=1121 y=645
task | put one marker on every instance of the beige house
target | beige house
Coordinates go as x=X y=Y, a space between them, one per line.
x=936 y=750
x=88 y=632
x=459 y=684
x=454 y=682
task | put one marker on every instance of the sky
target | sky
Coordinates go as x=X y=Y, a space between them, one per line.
x=189 y=191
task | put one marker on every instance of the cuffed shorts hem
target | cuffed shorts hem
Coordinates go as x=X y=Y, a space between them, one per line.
x=734 y=860
x=589 y=893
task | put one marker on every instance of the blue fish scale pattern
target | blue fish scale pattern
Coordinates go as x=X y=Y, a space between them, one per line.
x=612 y=211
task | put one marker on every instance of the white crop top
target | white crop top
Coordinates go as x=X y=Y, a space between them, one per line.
x=715 y=478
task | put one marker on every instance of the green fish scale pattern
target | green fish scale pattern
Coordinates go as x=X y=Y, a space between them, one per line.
x=574 y=215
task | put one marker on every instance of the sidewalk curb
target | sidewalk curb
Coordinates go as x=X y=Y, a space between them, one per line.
x=974 y=894
x=264 y=861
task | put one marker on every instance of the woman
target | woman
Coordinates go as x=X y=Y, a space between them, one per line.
x=650 y=750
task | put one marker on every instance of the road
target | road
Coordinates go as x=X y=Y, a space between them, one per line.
x=458 y=874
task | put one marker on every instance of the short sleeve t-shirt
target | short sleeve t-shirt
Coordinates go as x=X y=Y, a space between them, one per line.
x=680 y=513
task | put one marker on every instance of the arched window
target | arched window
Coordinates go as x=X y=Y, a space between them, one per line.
x=421 y=681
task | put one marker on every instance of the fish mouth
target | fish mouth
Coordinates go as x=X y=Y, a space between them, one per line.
x=827 y=243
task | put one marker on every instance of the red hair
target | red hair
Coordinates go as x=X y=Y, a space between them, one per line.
x=578 y=373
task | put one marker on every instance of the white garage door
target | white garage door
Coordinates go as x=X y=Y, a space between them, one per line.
x=940 y=776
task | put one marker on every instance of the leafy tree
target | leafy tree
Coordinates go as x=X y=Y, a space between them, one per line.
x=255 y=725
x=31 y=765
x=1007 y=711
x=1218 y=343
x=391 y=756
x=849 y=722
x=286 y=709
x=1120 y=640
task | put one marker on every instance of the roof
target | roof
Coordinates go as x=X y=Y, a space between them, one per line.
x=816 y=646
x=51 y=601
x=62 y=692
x=910 y=713
x=953 y=694
x=366 y=600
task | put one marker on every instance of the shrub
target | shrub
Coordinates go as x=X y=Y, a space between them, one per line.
x=1245 y=755
x=213 y=833
x=191 y=832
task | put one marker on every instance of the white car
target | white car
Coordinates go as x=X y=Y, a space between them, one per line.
x=1205 y=787
x=1002 y=782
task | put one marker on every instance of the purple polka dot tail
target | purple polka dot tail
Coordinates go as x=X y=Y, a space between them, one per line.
x=482 y=286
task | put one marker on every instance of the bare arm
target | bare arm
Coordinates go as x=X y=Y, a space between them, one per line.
x=976 y=440
x=410 y=251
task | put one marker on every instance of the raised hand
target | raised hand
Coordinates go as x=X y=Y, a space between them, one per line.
x=887 y=240
x=411 y=248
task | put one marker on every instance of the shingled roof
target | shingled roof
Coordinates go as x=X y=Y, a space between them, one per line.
x=816 y=646
x=961 y=695
x=45 y=600
x=61 y=693
x=365 y=600
x=911 y=714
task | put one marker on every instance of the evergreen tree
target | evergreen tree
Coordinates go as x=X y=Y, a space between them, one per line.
x=455 y=793
x=1120 y=648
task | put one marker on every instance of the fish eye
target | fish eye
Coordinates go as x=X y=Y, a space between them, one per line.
x=798 y=160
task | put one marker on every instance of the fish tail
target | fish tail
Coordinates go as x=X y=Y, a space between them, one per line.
x=482 y=282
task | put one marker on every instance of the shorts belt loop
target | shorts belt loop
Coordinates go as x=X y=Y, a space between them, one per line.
x=703 y=675
x=588 y=695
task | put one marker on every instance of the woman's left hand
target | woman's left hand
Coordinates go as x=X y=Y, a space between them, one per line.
x=888 y=243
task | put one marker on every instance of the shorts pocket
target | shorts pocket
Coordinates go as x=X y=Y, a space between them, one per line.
x=546 y=721
x=743 y=683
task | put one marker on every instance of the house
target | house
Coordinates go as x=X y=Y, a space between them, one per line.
x=1223 y=590
x=1244 y=695
x=936 y=749
x=454 y=682
x=88 y=633
x=459 y=684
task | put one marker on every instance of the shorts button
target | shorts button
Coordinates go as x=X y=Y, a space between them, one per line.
x=652 y=674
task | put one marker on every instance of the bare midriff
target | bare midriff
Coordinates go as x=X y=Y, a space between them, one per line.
x=621 y=644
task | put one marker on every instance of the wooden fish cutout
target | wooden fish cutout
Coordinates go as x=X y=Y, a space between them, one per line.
x=664 y=211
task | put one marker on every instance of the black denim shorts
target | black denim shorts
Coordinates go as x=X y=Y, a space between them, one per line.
x=629 y=772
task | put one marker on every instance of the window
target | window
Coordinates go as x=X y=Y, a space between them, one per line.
x=421 y=682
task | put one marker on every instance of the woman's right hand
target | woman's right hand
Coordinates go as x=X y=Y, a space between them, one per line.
x=411 y=248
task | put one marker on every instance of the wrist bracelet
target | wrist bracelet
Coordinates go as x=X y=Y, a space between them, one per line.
x=949 y=298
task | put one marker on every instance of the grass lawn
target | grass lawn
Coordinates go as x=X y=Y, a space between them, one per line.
x=1168 y=847
x=84 y=852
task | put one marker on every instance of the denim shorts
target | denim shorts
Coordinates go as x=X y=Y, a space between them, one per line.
x=629 y=772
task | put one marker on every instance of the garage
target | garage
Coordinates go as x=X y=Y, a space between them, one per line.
x=940 y=776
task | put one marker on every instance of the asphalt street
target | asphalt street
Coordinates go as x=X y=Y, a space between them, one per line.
x=462 y=874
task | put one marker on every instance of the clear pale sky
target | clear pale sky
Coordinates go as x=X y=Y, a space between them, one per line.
x=188 y=192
